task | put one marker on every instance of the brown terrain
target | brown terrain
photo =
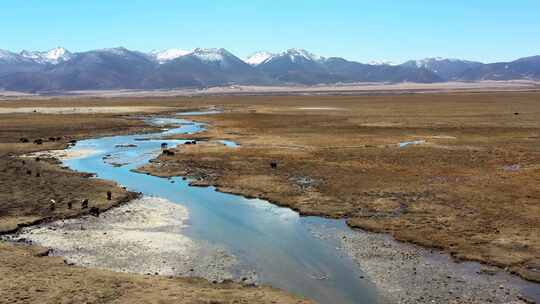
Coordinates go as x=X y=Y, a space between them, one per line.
x=28 y=184
x=470 y=186
x=28 y=277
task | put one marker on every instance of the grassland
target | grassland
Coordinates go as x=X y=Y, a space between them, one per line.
x=472 y=188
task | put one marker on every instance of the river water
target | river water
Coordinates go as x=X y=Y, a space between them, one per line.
x=275 y=243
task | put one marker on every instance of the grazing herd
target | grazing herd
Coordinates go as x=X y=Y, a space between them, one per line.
x=95 y=211
x=40 y=141
x=168 y=152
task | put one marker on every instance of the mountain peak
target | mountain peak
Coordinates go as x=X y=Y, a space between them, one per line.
x=57 y=53
x=52 y=56
x=295 y=53
x=169 y=54
x=211 y=54
x=428 y=61
x=258 y=58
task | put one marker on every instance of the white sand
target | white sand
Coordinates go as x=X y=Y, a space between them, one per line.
x=143 y=236
x=80 y=110
x=64 y=154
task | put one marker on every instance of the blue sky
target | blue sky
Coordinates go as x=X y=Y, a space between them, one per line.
x=395 y=30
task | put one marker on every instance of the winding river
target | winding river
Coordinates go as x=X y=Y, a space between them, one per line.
x=275 y=243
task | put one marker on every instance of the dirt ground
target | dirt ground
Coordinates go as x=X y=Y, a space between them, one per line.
x=470 y=184
x=28 y=184
x=28 y=277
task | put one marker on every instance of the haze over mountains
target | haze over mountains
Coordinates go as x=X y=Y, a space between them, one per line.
x=120 y=68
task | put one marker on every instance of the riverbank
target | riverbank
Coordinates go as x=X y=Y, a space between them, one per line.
x=143 y=236
x=30 y=277
x=411 y=274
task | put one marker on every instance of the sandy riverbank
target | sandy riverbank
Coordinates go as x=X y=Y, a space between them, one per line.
x=143 y=236
x=63 y=154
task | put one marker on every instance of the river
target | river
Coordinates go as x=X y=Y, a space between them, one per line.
x=275 y=243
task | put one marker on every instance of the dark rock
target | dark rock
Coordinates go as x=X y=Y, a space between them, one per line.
x=94 y=211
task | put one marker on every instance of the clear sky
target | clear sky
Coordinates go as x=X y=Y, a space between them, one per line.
x=485 y=30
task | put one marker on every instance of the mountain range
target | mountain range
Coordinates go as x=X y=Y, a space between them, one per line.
x=120 y=68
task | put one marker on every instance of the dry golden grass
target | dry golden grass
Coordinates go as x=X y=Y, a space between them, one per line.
x=459 y=191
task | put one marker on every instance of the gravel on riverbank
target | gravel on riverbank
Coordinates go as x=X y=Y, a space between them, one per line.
x=143 y=236
x=406 y=273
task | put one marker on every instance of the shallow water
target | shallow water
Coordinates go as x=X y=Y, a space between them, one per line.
x=274 y=242
x=196 y=113
x=404 y=144
x=229 y=143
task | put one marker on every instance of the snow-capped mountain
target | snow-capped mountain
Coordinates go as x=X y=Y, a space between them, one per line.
x=120 y=68
x=205 y=67
x=450 y=69
x=163 y=56
x=11 y=62
x=258 y=58
x=53 y=56
x=295 y=54
x=211 y=55
x=220 y=58
x=296 y=66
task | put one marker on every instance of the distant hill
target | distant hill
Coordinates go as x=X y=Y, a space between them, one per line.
x=120 y=68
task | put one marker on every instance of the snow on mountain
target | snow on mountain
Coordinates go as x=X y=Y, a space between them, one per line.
x=381 y=62
x=422 y=63
x=210 y=55
x=168 y=55
x=118 y=51
x=8 y=56
x=259 y=58
x=428 y=62
x=53 y=56
x=300 y=53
